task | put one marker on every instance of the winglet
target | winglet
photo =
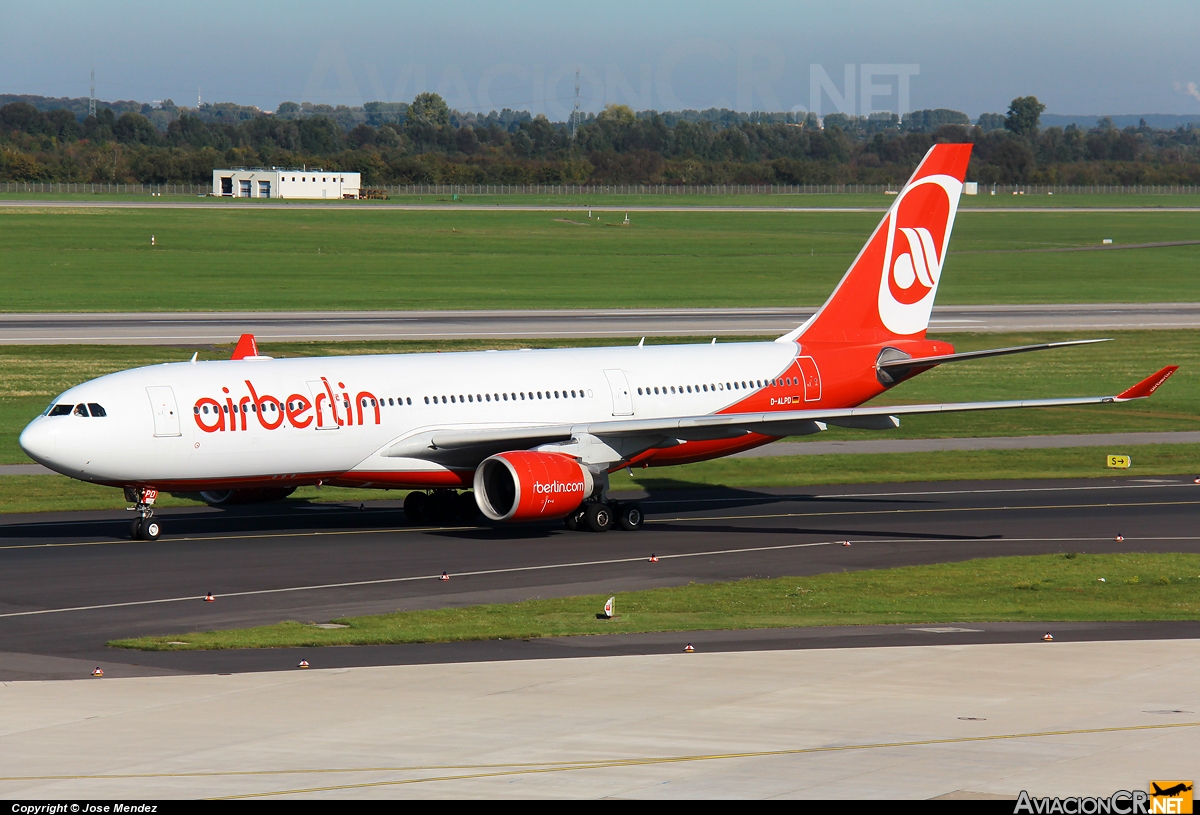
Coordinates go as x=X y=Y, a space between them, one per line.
x=246 y=347
x=1148 y=385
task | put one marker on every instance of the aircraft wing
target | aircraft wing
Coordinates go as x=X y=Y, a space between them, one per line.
x=729 y=425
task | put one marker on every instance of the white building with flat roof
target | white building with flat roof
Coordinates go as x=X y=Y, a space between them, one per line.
x=279 y=182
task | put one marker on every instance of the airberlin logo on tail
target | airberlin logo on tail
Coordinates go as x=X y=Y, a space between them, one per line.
x=918 y=232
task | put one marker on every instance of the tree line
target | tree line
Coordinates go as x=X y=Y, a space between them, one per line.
x=425 y=142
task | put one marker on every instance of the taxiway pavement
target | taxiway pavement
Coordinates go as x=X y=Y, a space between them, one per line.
x=72 y=581
x=957 y=721
x=208 y=328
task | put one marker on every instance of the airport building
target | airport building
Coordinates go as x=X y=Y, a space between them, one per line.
x=277 y=182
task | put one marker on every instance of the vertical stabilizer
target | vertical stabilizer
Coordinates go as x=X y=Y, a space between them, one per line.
x=890 y=288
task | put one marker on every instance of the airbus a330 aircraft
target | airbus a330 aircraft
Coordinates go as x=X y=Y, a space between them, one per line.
x=528 y=434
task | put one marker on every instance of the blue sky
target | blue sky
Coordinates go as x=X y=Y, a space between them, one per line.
x=1085 y=58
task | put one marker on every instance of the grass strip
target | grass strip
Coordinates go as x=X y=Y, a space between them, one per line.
x=293 y=259
x=1043 y=587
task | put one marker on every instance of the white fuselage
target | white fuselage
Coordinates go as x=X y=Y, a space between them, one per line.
x=342 y=414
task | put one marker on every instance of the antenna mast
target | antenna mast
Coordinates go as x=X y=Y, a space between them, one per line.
x=92 y=96
x=575 y=111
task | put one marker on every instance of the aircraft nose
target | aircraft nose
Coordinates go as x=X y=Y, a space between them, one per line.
x=39 y=440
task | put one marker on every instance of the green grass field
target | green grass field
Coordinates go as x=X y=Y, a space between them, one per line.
x=1047 y=587
x=101 y=260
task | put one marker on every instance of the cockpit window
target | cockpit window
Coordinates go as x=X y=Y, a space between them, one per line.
x=81 y=410
x=61 y=410
x=97 y=410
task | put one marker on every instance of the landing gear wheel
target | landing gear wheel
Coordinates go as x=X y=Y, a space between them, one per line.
x=151 y=530
x=599 y=517
x=135 y=529
x=576 y=518
x=442 y=507
x=468 y=510
x=630 y=517
x=416 y=506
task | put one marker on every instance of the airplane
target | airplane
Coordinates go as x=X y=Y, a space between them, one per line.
x=528 y=435
x=1170 y=792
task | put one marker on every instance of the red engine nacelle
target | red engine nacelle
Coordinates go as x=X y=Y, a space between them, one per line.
x=524 y=486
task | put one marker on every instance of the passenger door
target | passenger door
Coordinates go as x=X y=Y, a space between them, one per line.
x=328 y=415
x=166 y=413
x=812 y=378
x=621 y=397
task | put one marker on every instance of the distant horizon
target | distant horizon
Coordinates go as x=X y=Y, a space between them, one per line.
x=1049 y=119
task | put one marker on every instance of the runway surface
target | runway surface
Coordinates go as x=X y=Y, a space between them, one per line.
x=208 y=328
x=469 y=207
x=71 y=581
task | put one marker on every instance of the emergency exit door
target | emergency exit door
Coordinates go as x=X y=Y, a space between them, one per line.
x=166 y=413
x=621 y=397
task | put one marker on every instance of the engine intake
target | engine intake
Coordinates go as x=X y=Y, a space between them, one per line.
x=522 y=485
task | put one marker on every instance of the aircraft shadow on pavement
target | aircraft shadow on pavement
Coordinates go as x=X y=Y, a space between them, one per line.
x=305 y=516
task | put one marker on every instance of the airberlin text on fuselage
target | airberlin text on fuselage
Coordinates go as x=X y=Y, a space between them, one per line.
x=325 y=409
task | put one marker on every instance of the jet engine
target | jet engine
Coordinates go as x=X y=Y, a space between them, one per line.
x=523 y=485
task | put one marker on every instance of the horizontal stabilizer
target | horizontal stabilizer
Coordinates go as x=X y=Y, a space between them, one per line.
x=923 y=362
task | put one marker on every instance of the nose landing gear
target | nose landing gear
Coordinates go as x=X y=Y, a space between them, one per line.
x=143 y=527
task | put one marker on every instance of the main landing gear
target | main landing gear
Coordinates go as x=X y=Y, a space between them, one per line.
x=441 y=507
x=143 y=527
x=601 y=516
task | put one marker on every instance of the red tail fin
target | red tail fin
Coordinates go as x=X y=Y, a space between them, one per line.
x=891 y=285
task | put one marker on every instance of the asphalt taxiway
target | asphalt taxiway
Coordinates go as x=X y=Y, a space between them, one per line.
x=69 y=582
x=208 y=328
